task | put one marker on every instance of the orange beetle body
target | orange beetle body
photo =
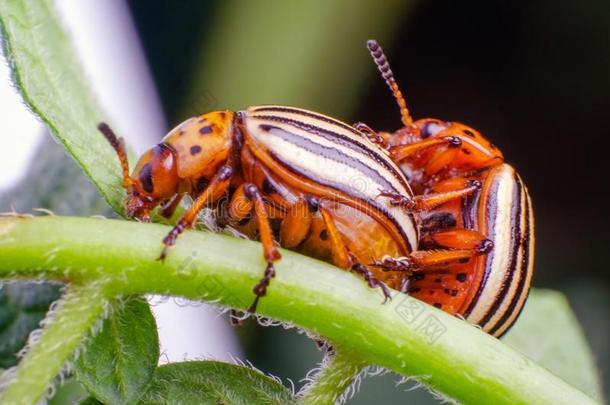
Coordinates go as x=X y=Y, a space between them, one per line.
x=314 y=183
x=441 y=157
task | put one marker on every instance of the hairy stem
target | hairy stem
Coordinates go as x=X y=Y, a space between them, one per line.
x=404 y=335
x=65 y=328
x=339 y=370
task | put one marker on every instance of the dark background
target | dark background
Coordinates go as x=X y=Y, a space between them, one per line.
x=531 y=75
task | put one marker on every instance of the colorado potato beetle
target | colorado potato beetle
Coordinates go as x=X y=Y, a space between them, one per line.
x=312 y=182
x=444 y=157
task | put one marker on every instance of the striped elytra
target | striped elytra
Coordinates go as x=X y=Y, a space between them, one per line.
x=504 y=213
x=337 y=161
x=488 y=290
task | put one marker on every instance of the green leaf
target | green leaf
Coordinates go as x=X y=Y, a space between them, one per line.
x=46 y=71
x=213 y=382
x=70 y=392
x=118 y=363
x=549 y=333
x=73 y=318
x=22 y=307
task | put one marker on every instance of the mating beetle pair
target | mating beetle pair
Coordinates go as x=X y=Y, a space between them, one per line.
x=344 y=194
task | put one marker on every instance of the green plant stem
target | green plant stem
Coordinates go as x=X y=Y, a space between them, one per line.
x=404 y=335
x=338 y=371
x=70 y=322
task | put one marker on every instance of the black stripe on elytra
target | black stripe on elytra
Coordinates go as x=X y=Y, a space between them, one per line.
x=490 y=208
x=524 y=269
x=342 y=140
x=469 y=209
x=337 y=156
x=515 y=247
x=333 y=154
x=310 y=114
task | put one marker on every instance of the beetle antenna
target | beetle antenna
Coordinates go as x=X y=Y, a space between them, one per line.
x=384 y=67
x=119 y=146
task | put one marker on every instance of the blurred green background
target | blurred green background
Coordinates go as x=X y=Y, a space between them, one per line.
x=531 y=75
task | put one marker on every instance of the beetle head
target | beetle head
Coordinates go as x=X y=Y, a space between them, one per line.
x=475 y=151
x=153 y=180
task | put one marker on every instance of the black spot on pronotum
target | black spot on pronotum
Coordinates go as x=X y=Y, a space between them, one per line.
x=205 y=130
x=195 y=149
x=437 y=280
x=469 y=133
x=461 y=277
x=437 y=305
x=146 y=178
x=466 y=151
x=464 y=260
x=324 y=234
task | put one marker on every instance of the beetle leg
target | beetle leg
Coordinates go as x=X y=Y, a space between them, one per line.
x=404 y=284
x=371 y=134
x=270 y=251
x=440 y=159
x=423 y=259
x=296 y=225
x=461 y=239
x=429 y=201
x=402 y=152
x=340 y=254
x=216 y=189
x=344 y=259
x=363 y=271
x=240 y=206
x=168 y=209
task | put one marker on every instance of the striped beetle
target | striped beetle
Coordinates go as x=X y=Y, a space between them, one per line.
x=442 y=157
x=312 y=182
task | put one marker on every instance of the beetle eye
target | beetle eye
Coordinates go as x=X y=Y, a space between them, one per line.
x=146 y=178
x=431 y=128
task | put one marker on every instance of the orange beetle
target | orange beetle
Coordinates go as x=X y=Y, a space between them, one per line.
x=440 y=158
x=314 y=183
